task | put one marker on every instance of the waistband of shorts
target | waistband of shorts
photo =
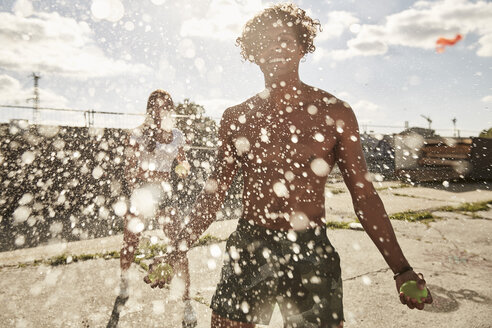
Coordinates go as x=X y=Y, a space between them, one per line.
x=261 y=232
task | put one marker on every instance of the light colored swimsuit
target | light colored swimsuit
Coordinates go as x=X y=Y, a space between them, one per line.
x=148 y=198
x=161 y=159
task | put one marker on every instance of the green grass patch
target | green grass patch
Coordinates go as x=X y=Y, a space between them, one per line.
x=145 y=251
x=400 y=186
x=66 y=259
x=58 y=260
x=468 y=207
x=447 y=208
x=207 y=240
x=404 y=195
x=414 y=216
x=337 y=225
x=475 y=207
x=201 y=300
x=148 y=250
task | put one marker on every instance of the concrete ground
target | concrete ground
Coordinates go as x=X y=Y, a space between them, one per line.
x=454 y=254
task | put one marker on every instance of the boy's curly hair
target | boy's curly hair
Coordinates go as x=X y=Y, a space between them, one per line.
x=288 y=14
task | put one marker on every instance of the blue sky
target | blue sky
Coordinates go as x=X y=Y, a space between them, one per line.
x=379 y=56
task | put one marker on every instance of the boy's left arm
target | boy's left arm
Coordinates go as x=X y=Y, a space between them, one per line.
x=369 y=207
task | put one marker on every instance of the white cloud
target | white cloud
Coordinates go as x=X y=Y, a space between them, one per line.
x=13 y=93
x=344 y=95
x=215 y=107
x=485 y=46
x=487 y=99
x=366 y=111
x=52 y=44
x=111 y=10
x=22 y=8
x=414 y=80
x=421 y=25
x=166 y=72
x=337 y=23
x=222 y=20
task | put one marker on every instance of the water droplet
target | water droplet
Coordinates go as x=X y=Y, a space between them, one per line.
x=320 y=167
x=299 y=221
x=211 y=186
x=135 y=225
x=158 y=307
x=28 y=157
x=215 y=250
x=120 y=208
x=245 y=307
x=211 y=264
x=280 y=189
x=97 y=172
x=319 y=137
x=312 y=109
x=21 y=214
x=242 y=145
x=366 y=280
x=20 y=240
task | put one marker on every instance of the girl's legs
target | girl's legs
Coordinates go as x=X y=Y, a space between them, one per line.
x=130 y=243
x=171 y=229
x=189 y=314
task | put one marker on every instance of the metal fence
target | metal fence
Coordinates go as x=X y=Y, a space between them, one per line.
x=125 y=120
x=71 y=116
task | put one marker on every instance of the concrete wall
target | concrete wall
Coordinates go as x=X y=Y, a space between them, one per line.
x=62 y=182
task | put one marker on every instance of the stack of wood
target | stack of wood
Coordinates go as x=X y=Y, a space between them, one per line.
x=445 y=152
x=436 y=158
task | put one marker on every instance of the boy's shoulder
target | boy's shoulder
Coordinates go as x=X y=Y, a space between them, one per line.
x=327 y=103
x=236 y=111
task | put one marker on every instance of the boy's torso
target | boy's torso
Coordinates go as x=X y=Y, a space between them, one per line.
x=286 y=149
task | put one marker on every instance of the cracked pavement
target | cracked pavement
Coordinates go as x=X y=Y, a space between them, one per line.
x=454 y=254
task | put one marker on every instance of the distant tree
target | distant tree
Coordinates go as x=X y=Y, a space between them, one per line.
x=199 y=129
x=486 y=133
x=202 y=131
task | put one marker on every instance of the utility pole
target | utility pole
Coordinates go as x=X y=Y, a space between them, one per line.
x=35 y=99
x=454 y=125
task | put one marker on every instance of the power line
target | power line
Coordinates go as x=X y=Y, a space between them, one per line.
x=74 y=110
x=89 y=116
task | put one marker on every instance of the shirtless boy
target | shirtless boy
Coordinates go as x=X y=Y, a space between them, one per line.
x=286 y=140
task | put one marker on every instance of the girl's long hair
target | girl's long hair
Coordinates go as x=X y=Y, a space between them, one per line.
x=157 y=100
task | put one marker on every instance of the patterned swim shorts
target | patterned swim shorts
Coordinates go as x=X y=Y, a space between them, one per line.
x=298 y=270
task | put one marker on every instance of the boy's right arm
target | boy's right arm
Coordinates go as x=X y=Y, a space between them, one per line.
x=212 y=196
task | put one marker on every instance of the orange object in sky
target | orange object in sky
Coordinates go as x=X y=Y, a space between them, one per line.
x=441 y=43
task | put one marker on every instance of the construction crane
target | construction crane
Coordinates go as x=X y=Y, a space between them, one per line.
x=428 y=120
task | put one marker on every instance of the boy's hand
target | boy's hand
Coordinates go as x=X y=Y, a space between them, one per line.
x=411 y=302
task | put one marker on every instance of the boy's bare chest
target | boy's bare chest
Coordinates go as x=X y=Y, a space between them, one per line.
x=284 y=139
